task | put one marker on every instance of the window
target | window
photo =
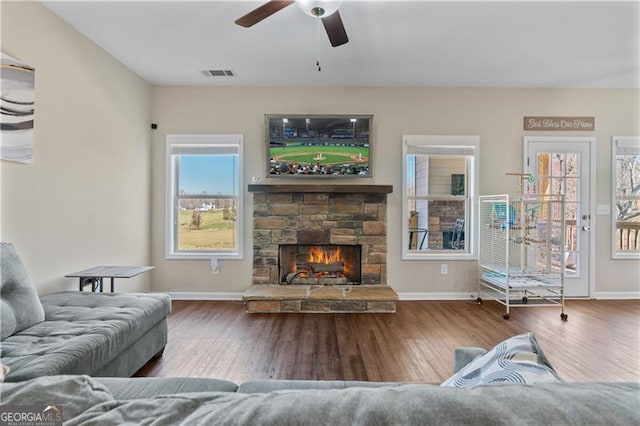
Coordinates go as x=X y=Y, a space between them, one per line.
x=625 y=212
x=204 y=206
x=440 y=176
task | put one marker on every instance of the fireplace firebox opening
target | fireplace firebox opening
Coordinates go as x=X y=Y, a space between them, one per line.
x=320 y=264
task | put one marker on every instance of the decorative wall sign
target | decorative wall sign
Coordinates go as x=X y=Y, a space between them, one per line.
x=559 y=123
x=17 y=101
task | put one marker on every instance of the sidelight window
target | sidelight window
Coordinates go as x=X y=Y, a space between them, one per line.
x=625 y=213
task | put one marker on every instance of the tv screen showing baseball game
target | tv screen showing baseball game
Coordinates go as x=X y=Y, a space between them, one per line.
x=318 y=145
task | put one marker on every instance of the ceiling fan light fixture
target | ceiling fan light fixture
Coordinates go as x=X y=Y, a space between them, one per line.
x=319 y=8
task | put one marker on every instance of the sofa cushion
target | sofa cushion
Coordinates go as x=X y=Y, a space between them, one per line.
x=83 y=332
x=147 y=387
x=20 y=307
x=518 y=359
x=261 y=386
x=508 y=404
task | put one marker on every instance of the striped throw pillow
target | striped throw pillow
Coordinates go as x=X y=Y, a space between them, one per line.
x=518 y=359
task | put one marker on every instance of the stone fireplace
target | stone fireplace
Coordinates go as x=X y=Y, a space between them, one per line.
x=288 y=220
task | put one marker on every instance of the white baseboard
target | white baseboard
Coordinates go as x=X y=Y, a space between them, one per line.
x=436 y=296
x=617 y=295
x=204 y=296
x=612 y=295
x=238 y=296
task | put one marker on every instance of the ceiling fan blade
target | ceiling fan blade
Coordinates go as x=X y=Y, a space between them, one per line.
x=335 y=29
x=262 y=12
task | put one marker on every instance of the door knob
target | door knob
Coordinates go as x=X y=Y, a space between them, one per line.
x=586 y=227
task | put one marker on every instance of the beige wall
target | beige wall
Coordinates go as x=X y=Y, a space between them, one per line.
x=85 y=200
x=496 y=115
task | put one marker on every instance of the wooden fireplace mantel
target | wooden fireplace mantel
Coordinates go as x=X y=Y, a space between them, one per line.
x=348 y=189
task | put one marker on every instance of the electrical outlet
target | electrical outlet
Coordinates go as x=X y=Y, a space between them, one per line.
x=444 y=269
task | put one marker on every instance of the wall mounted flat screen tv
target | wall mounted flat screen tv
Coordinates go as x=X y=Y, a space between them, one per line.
x=318 y=145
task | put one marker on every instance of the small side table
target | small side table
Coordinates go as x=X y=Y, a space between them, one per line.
x=95 y=275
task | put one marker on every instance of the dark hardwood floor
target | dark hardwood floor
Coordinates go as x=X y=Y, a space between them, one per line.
x=600 y=341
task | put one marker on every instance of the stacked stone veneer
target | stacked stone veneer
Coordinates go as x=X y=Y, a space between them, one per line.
x=319 y=218
x=443 y=215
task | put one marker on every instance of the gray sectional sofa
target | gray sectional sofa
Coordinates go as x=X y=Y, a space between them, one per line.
x=97 y=334
x=200 y=401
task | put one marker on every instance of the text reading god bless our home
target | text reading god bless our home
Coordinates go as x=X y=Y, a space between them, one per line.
x=559 y=123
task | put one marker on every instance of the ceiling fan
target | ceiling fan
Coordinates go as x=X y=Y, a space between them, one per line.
x=326 y=11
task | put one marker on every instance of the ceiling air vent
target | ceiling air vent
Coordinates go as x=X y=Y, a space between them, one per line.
x=219 y=73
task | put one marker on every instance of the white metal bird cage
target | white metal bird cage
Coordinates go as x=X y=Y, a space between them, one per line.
x=522 y=250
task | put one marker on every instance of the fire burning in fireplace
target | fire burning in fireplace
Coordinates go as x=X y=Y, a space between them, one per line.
x=318 y=254
x=319 y=264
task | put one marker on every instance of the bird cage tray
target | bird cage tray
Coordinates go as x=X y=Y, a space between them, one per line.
x=520 y=281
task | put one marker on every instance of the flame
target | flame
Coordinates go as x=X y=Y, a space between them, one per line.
x=319 y=255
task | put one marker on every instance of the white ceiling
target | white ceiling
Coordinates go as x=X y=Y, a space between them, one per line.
x=565 y=44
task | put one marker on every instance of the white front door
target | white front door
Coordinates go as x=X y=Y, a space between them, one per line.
x=562 y=166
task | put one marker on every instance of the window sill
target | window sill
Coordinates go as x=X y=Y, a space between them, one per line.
x=203 y=256
x=439 y=256
x=625 y=256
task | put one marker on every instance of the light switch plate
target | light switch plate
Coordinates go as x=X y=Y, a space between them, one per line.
x=603 y=209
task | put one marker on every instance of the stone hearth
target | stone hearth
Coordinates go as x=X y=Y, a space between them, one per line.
x=320 y=299
x=320 y=214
